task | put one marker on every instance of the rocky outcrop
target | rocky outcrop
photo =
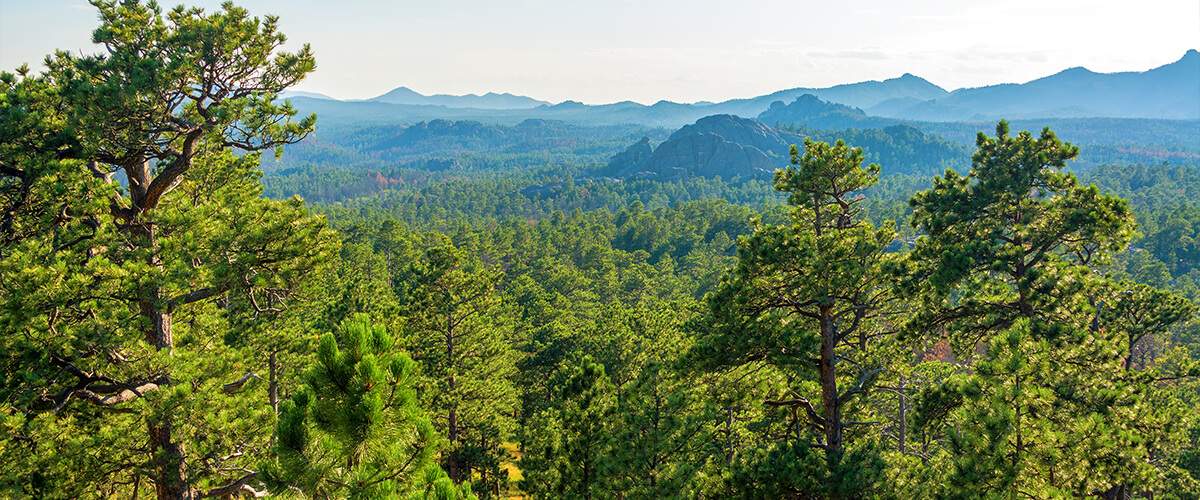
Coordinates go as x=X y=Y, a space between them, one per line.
x=719 y=145
x=738 y=130
x=630 y=163
x=710 y=155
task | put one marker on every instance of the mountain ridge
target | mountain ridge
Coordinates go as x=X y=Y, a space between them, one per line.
x=489 y=100
x=1170 y=91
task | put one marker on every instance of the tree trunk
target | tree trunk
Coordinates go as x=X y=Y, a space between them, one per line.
x=159 y=333
x=586 y=482
x=1122 y=491
x=453 y=467
x=729 y=435
x=273 y=380
x=170 y=471
x=829 y=395
x=483 y=471
x=1118 y=492
x=903 y=433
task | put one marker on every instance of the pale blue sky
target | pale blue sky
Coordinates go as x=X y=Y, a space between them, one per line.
x=604 y=51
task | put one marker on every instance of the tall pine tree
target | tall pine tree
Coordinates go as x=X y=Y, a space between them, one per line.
x=808 y=298
x=120 y=294
x=462 y=333
x=1008 y=263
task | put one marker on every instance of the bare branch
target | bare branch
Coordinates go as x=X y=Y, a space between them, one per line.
x=815 y=417
x=239 y=486
x=236 y=385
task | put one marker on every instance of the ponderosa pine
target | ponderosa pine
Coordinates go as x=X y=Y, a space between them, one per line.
x=808 y=298
x=1009 y=258
x=120 y=290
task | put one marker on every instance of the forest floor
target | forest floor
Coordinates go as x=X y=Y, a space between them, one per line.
x=514 y=472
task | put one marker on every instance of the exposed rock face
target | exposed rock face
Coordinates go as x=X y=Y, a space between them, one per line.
x=739 y=130
x=708 y=155
x=718 y=145
x=630 y=162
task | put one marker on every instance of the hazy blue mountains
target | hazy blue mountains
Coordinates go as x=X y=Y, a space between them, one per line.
x=490 y=100
x=860 y=95
x=1171 y=91
x=381 y=146
x=288 y=94
x=907 y=123
x=405 y=106
x=1102 y=139
x=1168 y=92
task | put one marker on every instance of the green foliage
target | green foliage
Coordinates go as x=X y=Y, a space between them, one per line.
x=696 y=337
x=1051 y=407
x=805 y=299
x=460 y=330
x=354 y=429
x=119 y=298
x=567 y=446
x=797 y=470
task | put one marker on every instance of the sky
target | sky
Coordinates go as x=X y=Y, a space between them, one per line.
x=680 y=50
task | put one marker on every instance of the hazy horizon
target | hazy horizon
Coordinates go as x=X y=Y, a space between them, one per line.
x=676 y=51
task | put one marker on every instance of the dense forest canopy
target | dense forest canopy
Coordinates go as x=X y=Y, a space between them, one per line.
x=459 y=309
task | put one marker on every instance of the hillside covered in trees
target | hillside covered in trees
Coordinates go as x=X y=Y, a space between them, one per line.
x=205 y=294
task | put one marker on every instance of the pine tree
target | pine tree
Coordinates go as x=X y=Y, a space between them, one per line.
x=565 y=447
x=122 y=293
x=661 y=426
x=1008 y=264
x=663 y=434
x=807 y=298
x=461 y=332
x=355 y=429
x=1143 y=320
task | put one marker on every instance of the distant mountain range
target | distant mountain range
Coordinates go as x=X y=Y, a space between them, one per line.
x=287 y=94
x=490 y=100
x=907 y=124
x=437 y=144
x=1171 y=91
x=859 y=95
x=450 y=138
x=404 y=106
x=721 y=145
